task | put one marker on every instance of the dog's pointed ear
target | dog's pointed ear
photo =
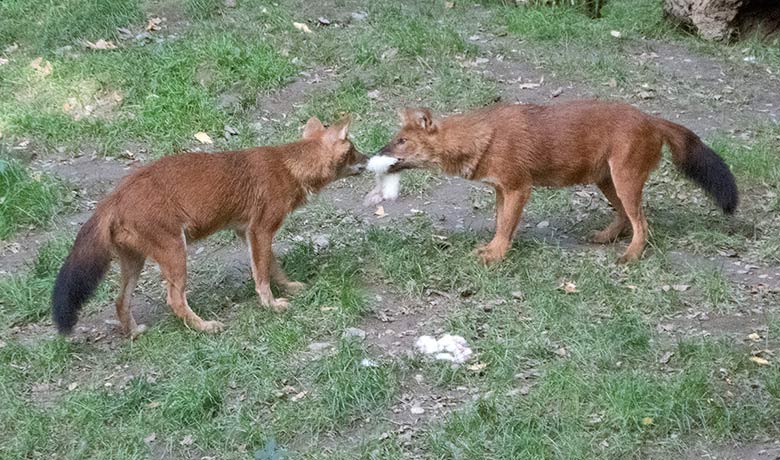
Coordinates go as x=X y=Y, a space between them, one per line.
x=313 y=127
x=421 y=118
x=341 y=129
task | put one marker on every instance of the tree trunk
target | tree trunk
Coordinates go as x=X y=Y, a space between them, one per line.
x=725 y=19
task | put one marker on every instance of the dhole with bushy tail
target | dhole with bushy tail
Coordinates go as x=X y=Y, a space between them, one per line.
x=155 y=211
x=515 y=147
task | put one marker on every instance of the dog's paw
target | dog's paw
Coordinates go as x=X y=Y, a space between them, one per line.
x=280 y=305
x=601 y=237
x=137 y=330
x=294 y=287
x=212 y=327
x=627 y=258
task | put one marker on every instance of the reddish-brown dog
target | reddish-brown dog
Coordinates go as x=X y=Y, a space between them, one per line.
x=155 y=211
x=514 y=147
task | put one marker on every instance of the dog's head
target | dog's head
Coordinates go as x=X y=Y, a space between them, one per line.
x=338 y=151
x=414 y=143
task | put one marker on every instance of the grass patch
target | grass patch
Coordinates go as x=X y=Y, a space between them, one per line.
x=26 y=297
x=26 y=198
x=45 y=26
x=754 y=160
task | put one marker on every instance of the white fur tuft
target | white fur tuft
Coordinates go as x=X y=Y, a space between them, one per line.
x=379 y=164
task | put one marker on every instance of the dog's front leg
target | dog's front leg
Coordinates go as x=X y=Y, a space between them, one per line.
x=262 y=256
x=509 y=207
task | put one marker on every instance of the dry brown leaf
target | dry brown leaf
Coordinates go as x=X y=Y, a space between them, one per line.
x=449 y=5
x=568 y=287
x=203 y=138
x=101 y=45
x=380 y=211
x=299 y=396
x=754 y=337
x=302 y=27
x=153 y=24
x=41 y=66
x=759 y=360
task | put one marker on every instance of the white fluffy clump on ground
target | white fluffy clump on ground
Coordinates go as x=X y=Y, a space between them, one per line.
x=453 y=348
x=387 y=185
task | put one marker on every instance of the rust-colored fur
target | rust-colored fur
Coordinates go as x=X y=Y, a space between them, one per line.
x=155 y=211
x=515 y=147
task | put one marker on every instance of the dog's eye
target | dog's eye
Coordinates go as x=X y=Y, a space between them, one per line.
x=401 y=140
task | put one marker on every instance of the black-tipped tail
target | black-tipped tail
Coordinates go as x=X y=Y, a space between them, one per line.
x=702 y=165
x=80 y=275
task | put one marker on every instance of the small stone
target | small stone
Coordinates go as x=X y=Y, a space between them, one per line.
x=354 y=333
x=319 y=346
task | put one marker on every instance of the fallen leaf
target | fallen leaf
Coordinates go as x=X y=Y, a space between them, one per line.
x=203 y=138
x=647 y=421
x=477 y=367
x=557 y=92
x=299 y=396
x=73 y=386
x=615 y=33
x=759 y=360
x=449 y=5
x=42 y=66
x=380 y=211
x=153 y=24
x=151 y=438
x=543 y=224
x=529 y=85
x=101 y=45
x=417 y=410
x=680 y=287
x=153 y=405
x=187 y=440
x=568 y=287
x=666 y=357
x=302 y=27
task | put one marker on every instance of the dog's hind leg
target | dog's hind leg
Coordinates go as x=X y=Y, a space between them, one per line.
x=620 y=225
x=172 y=258
x=508 y=215
x=130 y=264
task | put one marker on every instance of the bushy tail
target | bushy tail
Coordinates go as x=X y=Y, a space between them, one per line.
x=84 y=268
x=701 y=164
